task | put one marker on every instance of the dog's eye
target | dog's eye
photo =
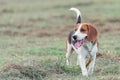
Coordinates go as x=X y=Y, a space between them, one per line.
x=82 y=30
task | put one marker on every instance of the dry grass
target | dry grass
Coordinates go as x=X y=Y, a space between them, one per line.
x=33 y=34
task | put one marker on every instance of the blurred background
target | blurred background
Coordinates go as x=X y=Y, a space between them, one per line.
x=33 y=37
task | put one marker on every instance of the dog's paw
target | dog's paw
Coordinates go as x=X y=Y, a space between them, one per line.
x=68 y=63
x=85 y=73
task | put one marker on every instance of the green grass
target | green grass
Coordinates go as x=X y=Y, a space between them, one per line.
x=33 y=37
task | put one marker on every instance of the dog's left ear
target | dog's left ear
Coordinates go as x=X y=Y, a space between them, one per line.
x=92 y=33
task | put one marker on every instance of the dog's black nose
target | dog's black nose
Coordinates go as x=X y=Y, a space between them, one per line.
x=75 y=37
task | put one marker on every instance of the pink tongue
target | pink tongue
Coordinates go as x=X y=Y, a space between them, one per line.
x=79 y=43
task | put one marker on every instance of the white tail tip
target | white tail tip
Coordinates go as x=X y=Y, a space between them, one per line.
x=76 y=10
x=78 y=14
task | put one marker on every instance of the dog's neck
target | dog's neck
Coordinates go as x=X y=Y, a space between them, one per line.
x=89 y=45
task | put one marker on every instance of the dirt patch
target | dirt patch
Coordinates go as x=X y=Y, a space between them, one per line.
x=48 y=32
x=48 y=69
x=113 y=20
x=6 y=11
x=105 y=29
x=40 y=32
x=109 y=56
x=11 y=32
x=35 y=72
x=20 y=71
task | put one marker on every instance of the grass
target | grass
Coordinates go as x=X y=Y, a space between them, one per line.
x=56 y=69
x=33 y=35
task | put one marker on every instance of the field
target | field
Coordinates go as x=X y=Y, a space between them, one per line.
x=33 y=35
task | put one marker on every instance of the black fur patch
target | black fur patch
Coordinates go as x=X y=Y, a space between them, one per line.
x=79 y=19
x=70 y=36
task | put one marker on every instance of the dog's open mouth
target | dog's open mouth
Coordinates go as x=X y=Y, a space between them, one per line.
x=79 y=43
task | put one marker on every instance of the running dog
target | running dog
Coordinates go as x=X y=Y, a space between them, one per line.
x=82 y=40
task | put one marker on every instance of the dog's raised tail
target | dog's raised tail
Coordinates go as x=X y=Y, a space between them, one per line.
x=78 y=14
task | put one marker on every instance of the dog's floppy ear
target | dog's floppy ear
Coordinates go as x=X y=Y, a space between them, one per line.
x=92 y=33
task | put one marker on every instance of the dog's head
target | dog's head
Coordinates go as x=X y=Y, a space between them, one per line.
x=84 y=31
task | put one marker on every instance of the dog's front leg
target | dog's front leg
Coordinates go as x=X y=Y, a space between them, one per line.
x=68 y=54
x=82 y=61
x=68 y=58
x=91 y=66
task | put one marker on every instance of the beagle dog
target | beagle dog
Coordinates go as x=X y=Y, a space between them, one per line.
x=82 y=40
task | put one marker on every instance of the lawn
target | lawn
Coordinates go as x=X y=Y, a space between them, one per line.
x=33 y=37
